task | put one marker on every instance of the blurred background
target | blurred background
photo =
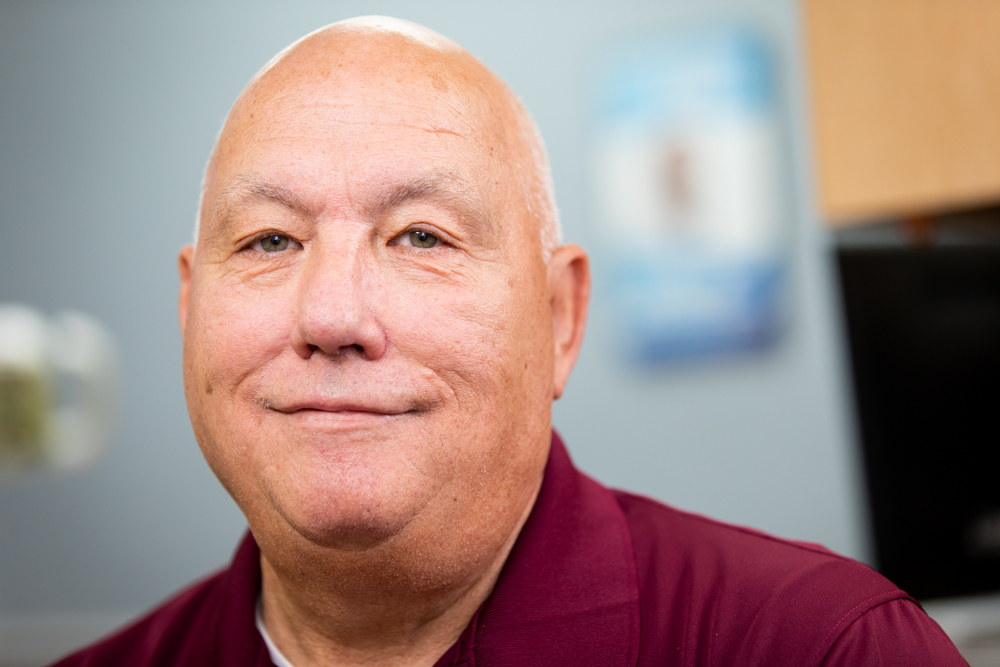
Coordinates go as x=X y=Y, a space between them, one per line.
x=793 y=209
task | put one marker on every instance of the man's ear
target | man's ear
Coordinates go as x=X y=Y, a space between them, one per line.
x=569 y=291
x=184 y=265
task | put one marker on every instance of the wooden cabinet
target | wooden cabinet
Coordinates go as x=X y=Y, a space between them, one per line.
x=905 y=103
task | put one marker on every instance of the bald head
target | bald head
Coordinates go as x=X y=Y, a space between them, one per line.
x=387 y=55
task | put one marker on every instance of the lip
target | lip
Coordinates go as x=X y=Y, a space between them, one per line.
x=309 y=422
x=335 y=407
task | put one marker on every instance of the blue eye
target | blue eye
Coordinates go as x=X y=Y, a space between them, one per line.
x=274 y=243
x=422 y=239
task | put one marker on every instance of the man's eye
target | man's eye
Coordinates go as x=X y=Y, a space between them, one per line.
x=421 y=239
x=272 y=243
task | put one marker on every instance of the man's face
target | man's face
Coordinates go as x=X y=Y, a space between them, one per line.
x=367 y=331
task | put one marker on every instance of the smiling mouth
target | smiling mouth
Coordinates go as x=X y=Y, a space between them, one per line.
x=335 y=409
x=323 y=420
x=345 y=414
x=341 y=416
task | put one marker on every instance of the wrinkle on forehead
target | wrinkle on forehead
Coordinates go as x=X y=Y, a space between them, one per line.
x=291 y=107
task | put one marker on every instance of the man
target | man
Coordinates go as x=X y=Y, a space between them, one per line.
x=377 y=316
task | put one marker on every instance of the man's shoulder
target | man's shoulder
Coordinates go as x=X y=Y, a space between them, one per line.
x=162 y=636
x=727 y=550
x=743 y=592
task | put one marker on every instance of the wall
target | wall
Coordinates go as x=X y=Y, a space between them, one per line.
x=107 y=113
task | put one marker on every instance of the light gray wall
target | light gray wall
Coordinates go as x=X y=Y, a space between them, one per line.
x=107 y=114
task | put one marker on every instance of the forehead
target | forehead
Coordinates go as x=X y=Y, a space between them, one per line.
x=351 y=119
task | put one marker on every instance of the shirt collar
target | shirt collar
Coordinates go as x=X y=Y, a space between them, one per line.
x=569 y=586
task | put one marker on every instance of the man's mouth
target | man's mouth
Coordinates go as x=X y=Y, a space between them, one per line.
x=343 y=407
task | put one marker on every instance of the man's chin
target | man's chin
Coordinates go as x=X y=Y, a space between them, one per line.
x=348 y=526
x=348 y=536
x=347 y=498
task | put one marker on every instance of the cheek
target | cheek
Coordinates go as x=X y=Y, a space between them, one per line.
x=230 y=336
x=235 y=331
x=477 y=337
x=460 y=332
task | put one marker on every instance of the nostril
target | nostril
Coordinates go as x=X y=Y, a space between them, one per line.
x=358 y=347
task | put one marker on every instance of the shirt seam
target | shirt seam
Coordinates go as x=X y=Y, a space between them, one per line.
x=826 y=640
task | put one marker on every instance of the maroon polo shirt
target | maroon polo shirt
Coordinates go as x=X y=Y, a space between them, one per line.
x=602 y=577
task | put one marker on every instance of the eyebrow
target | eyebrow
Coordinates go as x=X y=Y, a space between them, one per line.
x=446 y=187
x=247 y=189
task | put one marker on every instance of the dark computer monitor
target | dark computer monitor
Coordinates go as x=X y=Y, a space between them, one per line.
x=924 y=331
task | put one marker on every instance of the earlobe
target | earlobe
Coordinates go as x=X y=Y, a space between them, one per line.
x=184 y=266
x=569 y=291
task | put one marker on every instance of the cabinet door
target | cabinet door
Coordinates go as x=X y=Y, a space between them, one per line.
x=905 y=105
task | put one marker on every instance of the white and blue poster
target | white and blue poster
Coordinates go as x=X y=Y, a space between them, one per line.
x=689 y=193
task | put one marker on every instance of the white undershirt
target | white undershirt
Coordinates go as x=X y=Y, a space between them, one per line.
x=277 y=658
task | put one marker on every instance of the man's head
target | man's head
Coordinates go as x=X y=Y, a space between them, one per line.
x=376 y=316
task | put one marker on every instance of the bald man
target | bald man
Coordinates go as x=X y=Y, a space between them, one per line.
x=377 y=314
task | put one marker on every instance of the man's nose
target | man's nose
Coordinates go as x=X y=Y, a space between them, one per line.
x=334 y=311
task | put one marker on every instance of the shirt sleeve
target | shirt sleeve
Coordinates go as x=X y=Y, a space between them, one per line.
x=895 y=634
